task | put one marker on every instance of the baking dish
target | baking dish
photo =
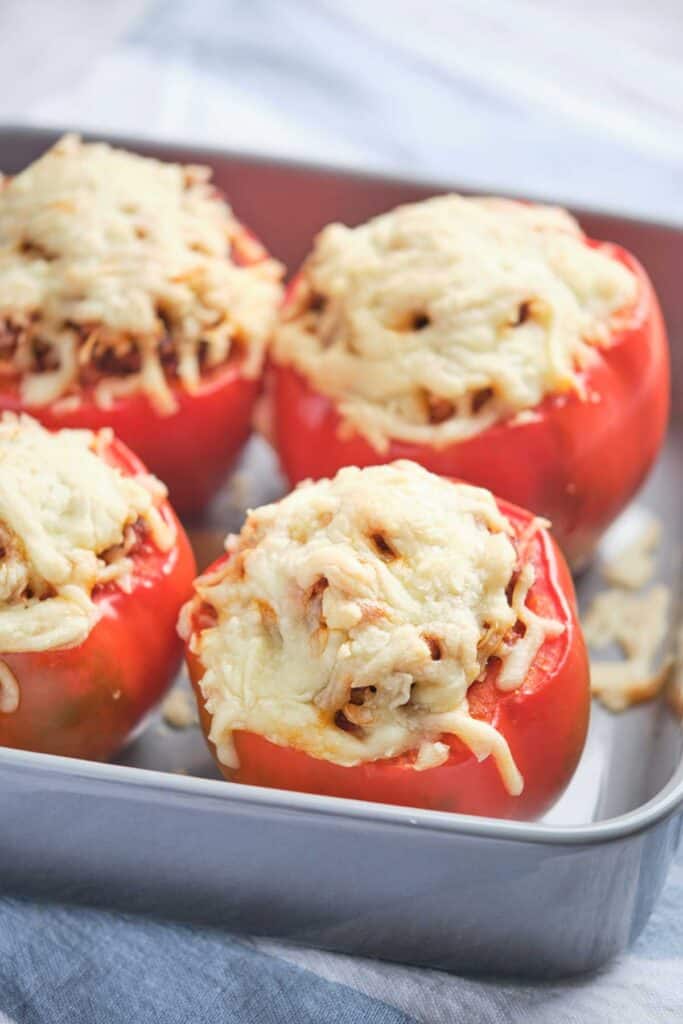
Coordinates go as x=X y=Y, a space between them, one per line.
x=158 y=832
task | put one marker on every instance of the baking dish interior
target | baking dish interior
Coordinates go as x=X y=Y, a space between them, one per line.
x=629 y=758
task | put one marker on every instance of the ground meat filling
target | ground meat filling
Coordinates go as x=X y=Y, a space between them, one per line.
x=364 y=701
x=135 y=536
x=16 y=582
x=19 y=586
x=99 y=354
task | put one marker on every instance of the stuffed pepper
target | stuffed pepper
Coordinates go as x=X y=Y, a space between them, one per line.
x=94 y=567
x=131 y=297
x=487 y=339
x=393 y=636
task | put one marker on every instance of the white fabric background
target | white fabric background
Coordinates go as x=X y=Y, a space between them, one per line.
x=577 y=99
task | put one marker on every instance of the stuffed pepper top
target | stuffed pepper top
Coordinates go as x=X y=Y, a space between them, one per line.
x=434 y=321
x=487 y=339
x=387 y=634
x=93 y=569
x=129 y=294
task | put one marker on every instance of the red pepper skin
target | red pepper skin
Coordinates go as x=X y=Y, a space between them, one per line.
x=191 y=450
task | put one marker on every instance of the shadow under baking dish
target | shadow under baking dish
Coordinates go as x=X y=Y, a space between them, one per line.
x=158 y=832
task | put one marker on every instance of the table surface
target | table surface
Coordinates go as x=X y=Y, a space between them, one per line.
x=580 y=101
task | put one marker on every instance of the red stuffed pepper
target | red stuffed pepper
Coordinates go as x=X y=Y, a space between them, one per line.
x=94 y=567
x=130 y=297
x=486 y=339
x=393 y=636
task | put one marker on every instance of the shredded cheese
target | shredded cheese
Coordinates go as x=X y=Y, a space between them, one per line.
x=67 y=524
x=178 y=709
x=637 y=624
x=434 y=321
x=353 y=616
x=10 y=694
x=520 y=654
x=676 y=686
x=116 y=261
x=633 y=566
x=621 y=684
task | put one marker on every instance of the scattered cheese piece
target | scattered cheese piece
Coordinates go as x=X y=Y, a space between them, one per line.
x=179 y=709
x=676 y=685
x=621 y=684
x=633 y=567
x=637 y=623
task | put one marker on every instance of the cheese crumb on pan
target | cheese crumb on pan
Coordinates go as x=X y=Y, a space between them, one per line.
x=434 y=321
x=10 y=694
x=117 y=270
x=68 y=523
x=637 y=623
x=676 y=685
x=353 y=616
x=621 y=684
x=179 y=710
x=634 y=565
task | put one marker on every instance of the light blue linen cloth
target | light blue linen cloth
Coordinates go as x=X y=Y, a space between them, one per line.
x=60 y=965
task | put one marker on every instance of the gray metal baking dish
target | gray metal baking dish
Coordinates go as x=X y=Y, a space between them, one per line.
x=159 y=833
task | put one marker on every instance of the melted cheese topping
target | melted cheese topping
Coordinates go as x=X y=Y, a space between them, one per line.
x=434 y=321
x=353 y=616
x=105 y=254
x=66 y=525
